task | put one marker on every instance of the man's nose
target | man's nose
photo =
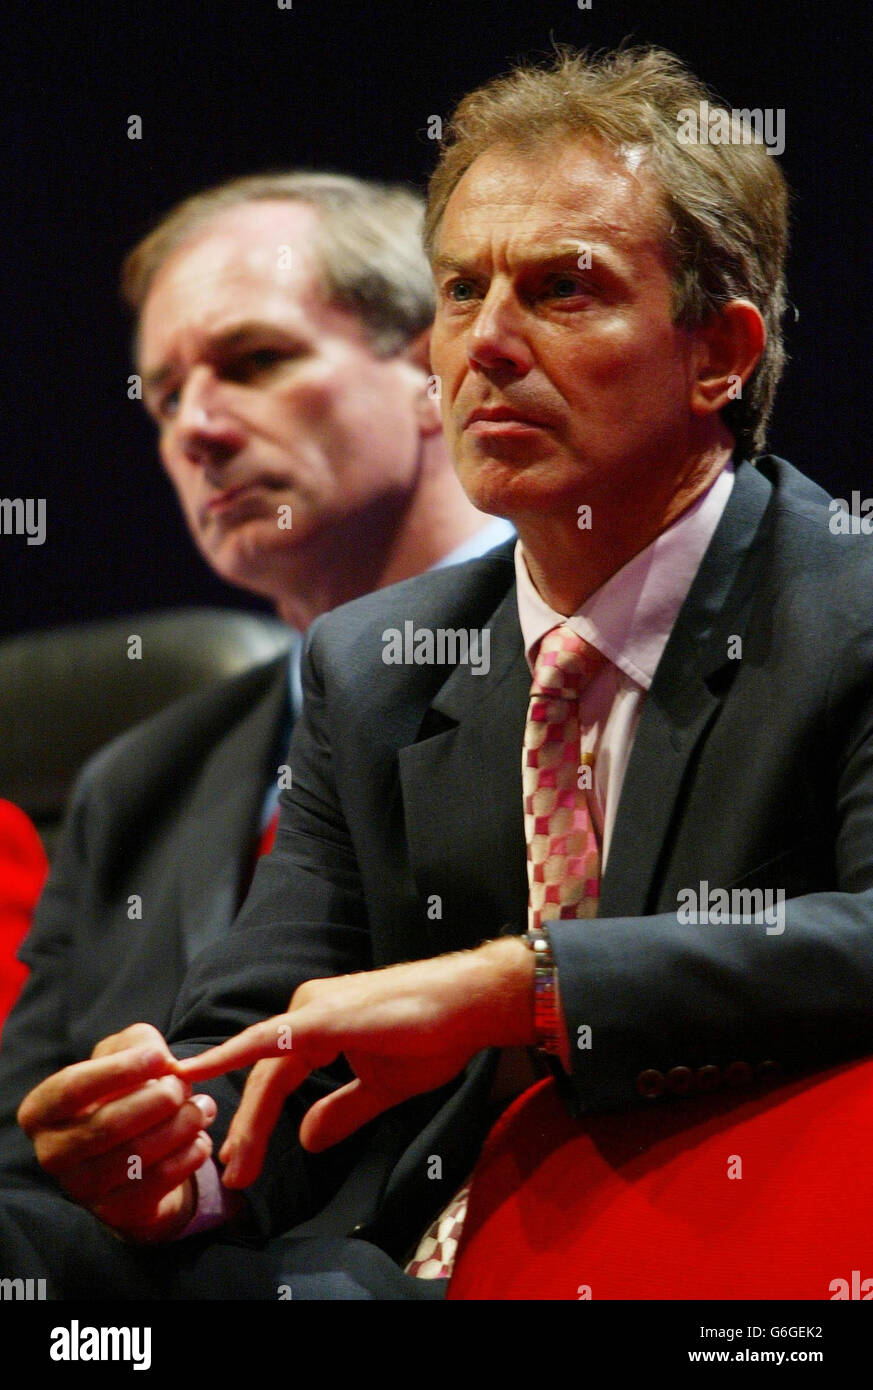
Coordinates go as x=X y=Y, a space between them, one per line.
x=498 y=341
x=207 y=430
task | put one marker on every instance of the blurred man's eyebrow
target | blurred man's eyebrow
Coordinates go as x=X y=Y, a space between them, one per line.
x=254 y=328
x=236 y=336
x=152 y=380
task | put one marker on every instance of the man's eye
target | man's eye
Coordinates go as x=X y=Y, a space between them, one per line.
x=460 y=291
x=264 y=357
x=167 y=405
x=565 y=287
x=249 y=364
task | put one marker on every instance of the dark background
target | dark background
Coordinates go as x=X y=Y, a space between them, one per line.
x=229 y=88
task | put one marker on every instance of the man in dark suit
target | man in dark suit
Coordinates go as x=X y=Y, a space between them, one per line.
x=286 y=370
x=699 y=636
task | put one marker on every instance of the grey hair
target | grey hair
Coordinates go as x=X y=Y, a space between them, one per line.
x=369 y=246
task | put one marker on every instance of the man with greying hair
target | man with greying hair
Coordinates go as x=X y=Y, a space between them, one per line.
x=282 y=325
x=300 y=302
x=472 y=876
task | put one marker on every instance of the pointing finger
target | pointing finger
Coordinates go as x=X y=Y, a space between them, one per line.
x=265 y=1093
x=271 y=1038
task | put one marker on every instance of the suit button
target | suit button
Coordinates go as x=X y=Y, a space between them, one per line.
x=768 y=1071
x=707 y=1078
x=680 y=1080
x=650 y=1083
x=359 y=1229
x=738 y=1074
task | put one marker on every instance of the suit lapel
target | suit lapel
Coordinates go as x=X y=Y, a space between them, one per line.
x=461 y=788
x=223 y=818
x=461 y=779
x=692 y=677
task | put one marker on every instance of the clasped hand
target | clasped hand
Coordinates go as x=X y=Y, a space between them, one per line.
x=122 y=1133
x=404 y=1030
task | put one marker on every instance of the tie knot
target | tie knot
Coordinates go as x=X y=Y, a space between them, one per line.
x=564 y=663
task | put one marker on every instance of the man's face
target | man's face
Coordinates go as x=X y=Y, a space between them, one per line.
x=267 y=398
x=561 y=383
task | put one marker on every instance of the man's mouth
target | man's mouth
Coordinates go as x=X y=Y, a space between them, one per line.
x=232 y=496
x=503 y=420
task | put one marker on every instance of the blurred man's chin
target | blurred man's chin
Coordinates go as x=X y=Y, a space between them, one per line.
x=242 y=562
x=260 y=558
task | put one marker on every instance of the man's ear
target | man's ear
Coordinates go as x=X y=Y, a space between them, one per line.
x=728 y=347
x=417 y=353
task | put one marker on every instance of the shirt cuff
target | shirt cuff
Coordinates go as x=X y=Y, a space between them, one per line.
x=213 y=1207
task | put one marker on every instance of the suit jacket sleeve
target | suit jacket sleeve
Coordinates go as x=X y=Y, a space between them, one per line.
x=304 y=918
x=165 y=811
x=659 y=993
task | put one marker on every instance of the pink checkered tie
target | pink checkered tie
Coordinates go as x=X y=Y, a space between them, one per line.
x=435 y=1254
x=563 y=857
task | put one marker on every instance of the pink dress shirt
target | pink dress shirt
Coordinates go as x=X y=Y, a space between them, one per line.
x=628 y=619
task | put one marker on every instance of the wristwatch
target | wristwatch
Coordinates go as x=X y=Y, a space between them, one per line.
x=548 y=1019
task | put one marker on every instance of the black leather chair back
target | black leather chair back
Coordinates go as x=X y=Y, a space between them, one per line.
x=66 y=692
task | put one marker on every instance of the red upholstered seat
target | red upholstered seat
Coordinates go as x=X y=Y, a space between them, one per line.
x=640 y=1205
x=23 y=868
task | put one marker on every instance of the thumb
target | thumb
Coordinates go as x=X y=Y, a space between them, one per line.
x=138 y=1035
x=338 y=1115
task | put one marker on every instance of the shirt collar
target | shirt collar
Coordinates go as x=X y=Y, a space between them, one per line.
x=631 y=616
x=485 y=539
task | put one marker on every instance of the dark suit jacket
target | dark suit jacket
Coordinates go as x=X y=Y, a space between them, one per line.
x=168 y=812
x=407 y=785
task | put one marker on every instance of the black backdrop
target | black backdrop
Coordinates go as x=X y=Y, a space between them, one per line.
x=226 y=87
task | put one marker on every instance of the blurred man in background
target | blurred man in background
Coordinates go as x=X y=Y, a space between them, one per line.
x=282 y=341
